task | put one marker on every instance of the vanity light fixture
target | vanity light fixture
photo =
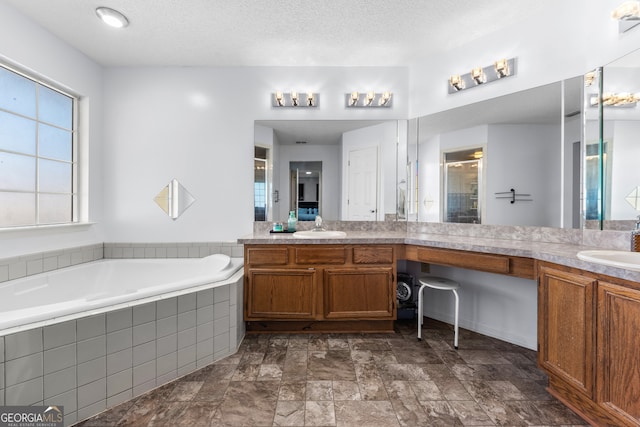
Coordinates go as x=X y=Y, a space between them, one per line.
x=386 y=97
x=112 y=17
x=354 y=99
x=293 y=99
x=368 y=99
x=589 y=78
x=456 y=82
x=478 y=75
x=627 y=15
x=500 y=69
x=618 y=100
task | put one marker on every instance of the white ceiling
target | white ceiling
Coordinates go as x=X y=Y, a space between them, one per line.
x=275 y=32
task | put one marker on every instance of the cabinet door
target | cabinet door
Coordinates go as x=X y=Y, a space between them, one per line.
x=280 y=293
x=566 y=309
x=359 y=293
x=618 y=347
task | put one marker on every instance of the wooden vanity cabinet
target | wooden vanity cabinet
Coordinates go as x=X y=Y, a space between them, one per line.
x=618 y=366
x=566 y=312
x=320 y=287
x=588 y=343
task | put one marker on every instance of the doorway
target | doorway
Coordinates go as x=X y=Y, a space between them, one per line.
x=362 y=189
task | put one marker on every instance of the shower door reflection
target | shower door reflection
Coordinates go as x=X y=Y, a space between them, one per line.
x=462 y=179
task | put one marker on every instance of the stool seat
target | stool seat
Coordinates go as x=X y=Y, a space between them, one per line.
x=443 y=284
x=439 y=283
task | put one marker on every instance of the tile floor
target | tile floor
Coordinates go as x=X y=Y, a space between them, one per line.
x=361 y=380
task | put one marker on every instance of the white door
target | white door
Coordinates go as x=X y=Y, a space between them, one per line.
x=362 y=196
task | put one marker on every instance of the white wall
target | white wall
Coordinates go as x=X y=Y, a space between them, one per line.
x=29 y=48
x=495 y=305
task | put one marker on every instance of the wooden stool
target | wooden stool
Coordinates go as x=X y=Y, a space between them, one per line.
x=443 y=284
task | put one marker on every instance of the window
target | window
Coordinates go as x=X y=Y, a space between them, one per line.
x=37 y=153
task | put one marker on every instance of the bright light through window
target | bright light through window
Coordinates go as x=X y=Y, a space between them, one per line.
x=37 y=153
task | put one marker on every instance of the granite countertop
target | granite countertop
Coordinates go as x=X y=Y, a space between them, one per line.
x=558 y=253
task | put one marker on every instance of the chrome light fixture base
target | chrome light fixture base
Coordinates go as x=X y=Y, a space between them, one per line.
x=480 y=76
x=368 y=99
x=295 y=99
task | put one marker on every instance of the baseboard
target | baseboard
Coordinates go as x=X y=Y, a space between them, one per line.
x=486 y=330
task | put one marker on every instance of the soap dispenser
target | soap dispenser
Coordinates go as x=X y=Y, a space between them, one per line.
x=635 y=237
x=291 y=223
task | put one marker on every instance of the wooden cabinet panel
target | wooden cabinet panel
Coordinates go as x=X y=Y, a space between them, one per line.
x=320 y=255
x=372 y=255
x=566 y=327
x=359 y=293
x=266 y=256
x=280 y=293
x=472 y=260
x=618 y=352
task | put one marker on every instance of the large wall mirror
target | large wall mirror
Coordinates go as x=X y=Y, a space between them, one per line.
x=613 y=132
x=533 y=158
x=338 y=169
x=511 y=160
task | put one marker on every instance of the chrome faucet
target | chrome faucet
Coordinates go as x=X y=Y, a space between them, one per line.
x=319 y=226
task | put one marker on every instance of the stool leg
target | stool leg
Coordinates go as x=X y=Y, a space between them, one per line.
x=455 y=326
x=420 y=312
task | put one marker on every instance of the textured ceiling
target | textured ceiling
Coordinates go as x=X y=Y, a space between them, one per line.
x=274 y=32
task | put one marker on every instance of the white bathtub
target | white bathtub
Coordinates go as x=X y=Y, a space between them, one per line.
x=105 y=285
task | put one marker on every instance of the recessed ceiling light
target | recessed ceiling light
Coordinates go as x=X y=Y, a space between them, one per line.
x=112 y=17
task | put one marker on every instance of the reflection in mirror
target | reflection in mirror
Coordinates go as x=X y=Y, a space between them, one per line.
x=525 y=149
x=463 y=185
x=260 y=183
x=305 y=189
x=174 y=199
x=594 y=150
x=620 y=128
x=359 y=179
x=408 y=174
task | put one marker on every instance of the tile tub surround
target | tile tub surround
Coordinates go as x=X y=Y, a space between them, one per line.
x=96 y=362
x=172 y=250
x=27 y=265
x=41 y=262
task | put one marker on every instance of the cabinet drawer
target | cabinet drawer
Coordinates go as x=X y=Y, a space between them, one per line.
x=321 y=255
x=373 y=255
x=267 y=256
x=472 y=260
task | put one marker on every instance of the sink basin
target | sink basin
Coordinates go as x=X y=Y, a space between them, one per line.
x=621 y=259
x=326 y=234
